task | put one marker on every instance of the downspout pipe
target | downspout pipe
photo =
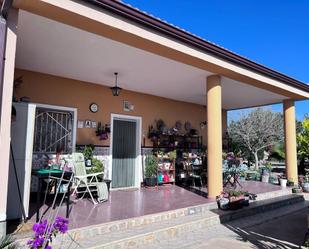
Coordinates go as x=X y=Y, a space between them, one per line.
x=6 y=5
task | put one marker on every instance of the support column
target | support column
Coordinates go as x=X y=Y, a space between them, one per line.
x=290 y=140
x=214 y=135
x=6 y=107
x=224 y=122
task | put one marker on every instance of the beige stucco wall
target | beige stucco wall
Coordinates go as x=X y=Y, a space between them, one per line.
x=48 y=89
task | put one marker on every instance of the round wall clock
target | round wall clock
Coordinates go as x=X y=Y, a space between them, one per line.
x=93 y=107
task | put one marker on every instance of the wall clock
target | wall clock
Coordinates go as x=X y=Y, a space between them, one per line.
x=93 y=107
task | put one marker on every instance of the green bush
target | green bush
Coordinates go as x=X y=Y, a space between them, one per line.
x=88 y=151
x=151 y=166
x=97 y=166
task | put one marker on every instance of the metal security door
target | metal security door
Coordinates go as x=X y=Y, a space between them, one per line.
x=124 y=153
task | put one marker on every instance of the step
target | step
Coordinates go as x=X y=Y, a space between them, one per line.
x=153 y=227
x=173 y=229
x=273 y=194
x=122 y=225
x=143 y=236
x=219 y=236
x=259 y=207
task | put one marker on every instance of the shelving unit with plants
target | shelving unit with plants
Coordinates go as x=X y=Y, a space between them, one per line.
x=179 y=142
x=166 y=167
x=191 y=169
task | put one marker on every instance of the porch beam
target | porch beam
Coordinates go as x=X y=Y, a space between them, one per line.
x=214 y=137
x=290 y=140
x=6 y=107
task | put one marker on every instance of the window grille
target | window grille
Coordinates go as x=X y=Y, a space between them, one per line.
x=53 y=131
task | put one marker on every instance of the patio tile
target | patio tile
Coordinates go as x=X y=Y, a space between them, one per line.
x=124 y=204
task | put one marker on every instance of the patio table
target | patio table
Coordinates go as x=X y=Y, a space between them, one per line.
x=52 y=174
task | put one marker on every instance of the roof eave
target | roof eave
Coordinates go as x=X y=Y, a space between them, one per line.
x=153 y=23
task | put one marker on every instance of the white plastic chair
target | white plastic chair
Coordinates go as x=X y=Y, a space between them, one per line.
x=84 y=183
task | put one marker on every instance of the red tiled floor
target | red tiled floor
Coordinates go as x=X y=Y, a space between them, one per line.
x=258 y=187
x=124 y=204
x=254 y=187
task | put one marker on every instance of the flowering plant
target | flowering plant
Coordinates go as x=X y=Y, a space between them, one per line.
x=44 y=232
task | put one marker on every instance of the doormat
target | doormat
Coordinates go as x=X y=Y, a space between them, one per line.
x=128 y=189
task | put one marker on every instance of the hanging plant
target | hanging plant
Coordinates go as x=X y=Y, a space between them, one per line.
x=152 y=134
x=100 y=129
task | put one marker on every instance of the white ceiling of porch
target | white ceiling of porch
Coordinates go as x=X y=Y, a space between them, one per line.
x=50 y=47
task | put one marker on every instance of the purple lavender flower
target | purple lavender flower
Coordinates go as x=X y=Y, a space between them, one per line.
x=61 y=224
x=44 y=232
x=40 y=228
x=36 y=243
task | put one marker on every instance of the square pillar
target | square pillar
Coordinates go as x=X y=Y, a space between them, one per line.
x=6 y=108
x=214 y=136
x=290 y=140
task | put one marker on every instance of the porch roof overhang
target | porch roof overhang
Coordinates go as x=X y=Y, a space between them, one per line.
x=90 y=42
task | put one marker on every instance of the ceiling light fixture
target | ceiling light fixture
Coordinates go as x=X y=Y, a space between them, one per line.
x=115 y=89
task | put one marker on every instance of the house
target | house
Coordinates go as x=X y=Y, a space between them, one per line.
x=64 y=54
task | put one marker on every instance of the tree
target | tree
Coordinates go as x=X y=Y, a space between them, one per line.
x=257 y=130
x=303 y=139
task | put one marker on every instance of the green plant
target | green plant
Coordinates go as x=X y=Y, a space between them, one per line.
x=273 y=179
x=306 y=244
x=268 y=166
x=303 y=138
x=172 y=155
x=97 y=166
x=290 y=182
x=235 y=193
x=151 y=166
x=88 y=151
x=243 y=173
x=7 y=242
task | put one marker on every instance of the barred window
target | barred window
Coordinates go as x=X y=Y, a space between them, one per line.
x=53 y=131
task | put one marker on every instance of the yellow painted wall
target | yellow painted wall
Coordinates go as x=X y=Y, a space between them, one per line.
x=48 y=89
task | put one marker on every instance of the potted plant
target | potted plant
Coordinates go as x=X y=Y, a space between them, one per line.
x=283 y=181
x=88 y=154
x=222 y=201
x=153 y=134
x=267 y=168
x=242 y=176
x=273 y=180
x=290 y=183
x=151 y=169
x=235 y=199
x=305 y=184
x=265 y=177
x=102 y=131
x=297 y=190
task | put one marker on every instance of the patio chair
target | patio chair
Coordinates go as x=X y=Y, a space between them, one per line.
x=88 y=183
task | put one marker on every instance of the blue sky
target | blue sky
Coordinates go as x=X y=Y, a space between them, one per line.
x=274 y=33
